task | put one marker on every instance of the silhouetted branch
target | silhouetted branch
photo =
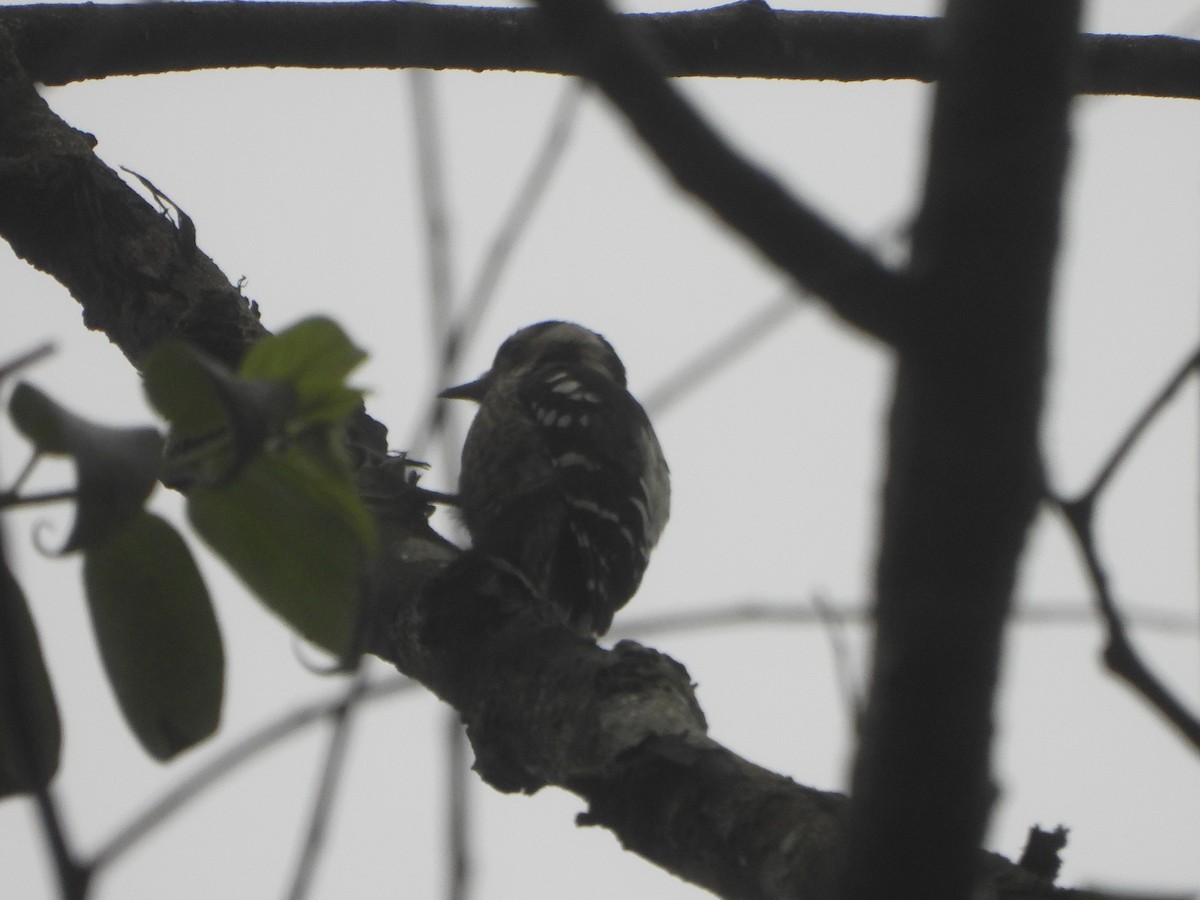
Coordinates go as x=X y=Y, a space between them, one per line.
x=1079 y=513
x=507 y=236
x=622 y=730
x=732 y=345
x=332 y=766
x=625 y=65
x=1119 y=654
x=71 y=42
x=136 y=275
x=963 y=464
x=1139 y=426
x=233 y=757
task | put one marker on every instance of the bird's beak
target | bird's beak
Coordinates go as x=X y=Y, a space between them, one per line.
x=472 y=390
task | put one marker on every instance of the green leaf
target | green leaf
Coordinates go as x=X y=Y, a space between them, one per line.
x=30 y=733
x=116 y=468
x=158 y=635
x=297 y=534
x=314 y=356
x=181 y=388
x=204 y=401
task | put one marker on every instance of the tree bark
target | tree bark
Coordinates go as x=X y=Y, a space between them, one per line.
x=964 y=474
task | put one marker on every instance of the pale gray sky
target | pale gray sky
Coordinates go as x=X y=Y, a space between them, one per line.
x=304 y=183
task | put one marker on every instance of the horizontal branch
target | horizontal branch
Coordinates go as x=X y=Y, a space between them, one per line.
x=60 y=43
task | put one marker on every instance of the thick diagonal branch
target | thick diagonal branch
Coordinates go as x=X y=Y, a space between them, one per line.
x=781 y=226
x=139 y=277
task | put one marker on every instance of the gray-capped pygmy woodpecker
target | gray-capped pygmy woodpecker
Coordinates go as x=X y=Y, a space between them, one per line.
x=562 y=474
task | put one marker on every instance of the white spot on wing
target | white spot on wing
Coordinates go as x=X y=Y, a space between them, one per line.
x=573 y=458
x=641 y=508
x=594 y=508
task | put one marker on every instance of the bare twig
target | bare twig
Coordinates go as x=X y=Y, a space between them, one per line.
x=1079 y=513
x=28 y=358
x=800 y=612
x=1140 y=424
x=458 y=817
x=723 y=352
x=517 y=217
x=513 y=226
x=331 y=771
x=1119 y=654
x=9 y=500
x=8 y=497
x=249 y=747
x=436 y=214
x=833 y=620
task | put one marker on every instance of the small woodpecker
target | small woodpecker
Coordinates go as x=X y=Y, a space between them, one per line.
x=562 y=474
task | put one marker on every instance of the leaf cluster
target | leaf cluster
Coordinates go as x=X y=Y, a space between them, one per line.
x=259 y=454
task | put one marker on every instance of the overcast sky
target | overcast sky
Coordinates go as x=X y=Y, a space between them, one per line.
x=304 y=184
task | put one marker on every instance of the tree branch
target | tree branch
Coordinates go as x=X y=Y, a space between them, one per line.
x=138 y=276
x=964 y=472
x=620 y=728
x=786 y=231
x=1120 y=656
x=59 y=43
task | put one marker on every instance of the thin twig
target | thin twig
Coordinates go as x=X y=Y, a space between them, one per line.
x=739 y=341
x=8 y=497
x=800 y=612
x=723 y=352
x=1079 y=513
x=28 y=358
x=331 y=771
x=458 y=819
x=515 y=224
x=1119 y=654
x=1139 y=426
x=443 y=334
x=8 y=500
x=834 y=621
x=431 y=183
x=499 y=253
x=244 y=750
